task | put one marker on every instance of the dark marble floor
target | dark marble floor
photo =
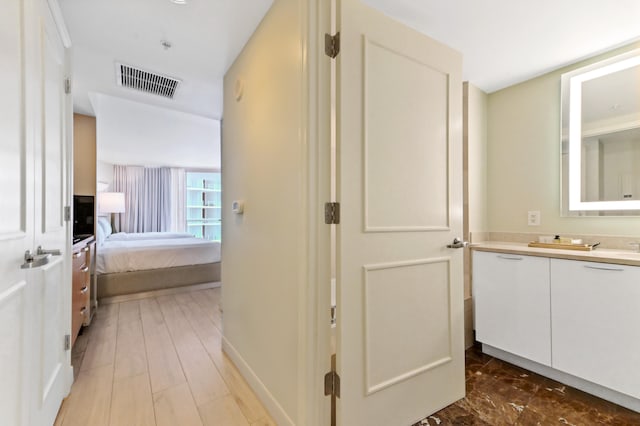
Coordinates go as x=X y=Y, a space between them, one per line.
x=499 y=393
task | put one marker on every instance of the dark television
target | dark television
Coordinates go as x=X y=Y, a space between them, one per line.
x=83 y=214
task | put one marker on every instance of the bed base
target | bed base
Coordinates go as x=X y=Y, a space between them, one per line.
x=117 y=284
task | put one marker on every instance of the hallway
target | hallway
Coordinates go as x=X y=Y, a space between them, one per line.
x=158 y=361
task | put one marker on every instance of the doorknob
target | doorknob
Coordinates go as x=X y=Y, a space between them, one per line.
x=54 y=252
x=458 y=243
x=34 y=261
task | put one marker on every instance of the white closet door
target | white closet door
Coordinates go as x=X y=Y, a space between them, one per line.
x=34 y=303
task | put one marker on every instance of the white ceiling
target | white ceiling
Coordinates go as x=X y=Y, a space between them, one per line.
x=206 y=37
x=503 y=42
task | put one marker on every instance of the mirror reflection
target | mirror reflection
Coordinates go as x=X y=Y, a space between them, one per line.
x=601 y=138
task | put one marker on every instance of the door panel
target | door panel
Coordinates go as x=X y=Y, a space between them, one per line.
x=12 y=353
x=16 y=217
x=400 y=348
x=50 y=365
x=404 y=296
x=13 y=180
x=52 y=158
x=419 y=134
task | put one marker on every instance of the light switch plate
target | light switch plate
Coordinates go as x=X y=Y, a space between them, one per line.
x=533 y=218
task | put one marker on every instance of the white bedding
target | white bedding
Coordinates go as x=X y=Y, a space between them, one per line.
x=153 y=253
x=126 y=236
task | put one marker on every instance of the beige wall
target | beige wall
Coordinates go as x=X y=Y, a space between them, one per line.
x=84 y=155
x=476 y=141
x=523 y=163
x=475 y=186
x=263 y=254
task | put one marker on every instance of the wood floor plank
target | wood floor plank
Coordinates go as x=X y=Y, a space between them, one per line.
x=165 y=369
x=204 y=380
x=62 y=412
x=211 y=338
x=264 y=422
x=175 y=406
x=248 y=402
x=101 y=348
x=131 y=354
x=129 y=311
x=222 y=412
x=150 y=313
x=132 y=402
x=159 y=361
x=90 y=398
x=209 y=307
x=106 y=315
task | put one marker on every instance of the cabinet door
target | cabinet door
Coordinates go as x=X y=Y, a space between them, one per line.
x=512 y=306
x=596 y=323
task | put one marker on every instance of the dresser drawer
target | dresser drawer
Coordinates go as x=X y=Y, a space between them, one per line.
x=80 y=289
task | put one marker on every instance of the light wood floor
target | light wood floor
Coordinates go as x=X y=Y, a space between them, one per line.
x=158 y=361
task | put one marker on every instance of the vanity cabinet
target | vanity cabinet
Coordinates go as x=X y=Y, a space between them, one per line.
x=512 y=304
x=576 y=321
x=595 y=323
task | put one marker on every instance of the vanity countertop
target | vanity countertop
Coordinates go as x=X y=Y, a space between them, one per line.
x=619 y=257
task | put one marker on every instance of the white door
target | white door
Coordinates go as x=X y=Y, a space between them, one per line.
x=52 y=283
x=35 y=372
x=400 y=349
x=16 y=217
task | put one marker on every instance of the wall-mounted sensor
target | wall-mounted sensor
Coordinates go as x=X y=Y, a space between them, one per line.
x=237 y=206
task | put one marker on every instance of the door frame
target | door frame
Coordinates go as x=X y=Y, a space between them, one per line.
x=67 y=111
x=315 y=302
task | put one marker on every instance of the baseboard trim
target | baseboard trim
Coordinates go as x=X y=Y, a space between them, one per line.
x=557 y=375
x=268 y=400
x=160 y=292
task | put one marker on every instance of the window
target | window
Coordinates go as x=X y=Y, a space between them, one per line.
x=204 y=202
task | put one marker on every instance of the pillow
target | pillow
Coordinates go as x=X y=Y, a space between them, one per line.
x=105 y=224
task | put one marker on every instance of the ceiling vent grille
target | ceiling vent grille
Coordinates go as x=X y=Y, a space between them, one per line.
x=145 y=81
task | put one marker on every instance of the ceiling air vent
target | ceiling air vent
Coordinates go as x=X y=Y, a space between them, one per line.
x=145 y=81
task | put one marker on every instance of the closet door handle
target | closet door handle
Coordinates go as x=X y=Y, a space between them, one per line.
x=603 y=268
x=509 y=257
x=83 y=290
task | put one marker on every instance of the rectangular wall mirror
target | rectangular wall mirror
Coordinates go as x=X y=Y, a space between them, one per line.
x=600 y=138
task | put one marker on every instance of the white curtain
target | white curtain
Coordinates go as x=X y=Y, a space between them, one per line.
x=178 y=200
x=147 y=198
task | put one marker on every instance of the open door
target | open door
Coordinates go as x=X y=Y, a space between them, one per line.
x=35 y=292
x=400 y=348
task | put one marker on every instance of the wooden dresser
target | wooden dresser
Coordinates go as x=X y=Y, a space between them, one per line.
x=82 y=272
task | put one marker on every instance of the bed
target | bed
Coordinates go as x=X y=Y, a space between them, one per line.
x=128 y=263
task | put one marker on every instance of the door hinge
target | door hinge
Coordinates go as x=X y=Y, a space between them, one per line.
x=332 y=44
x=67 y=342
x=67 y=86
x=67 y=213
x=332 y=213
x=332 y=384
x=332 y=387
x=334 y=311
